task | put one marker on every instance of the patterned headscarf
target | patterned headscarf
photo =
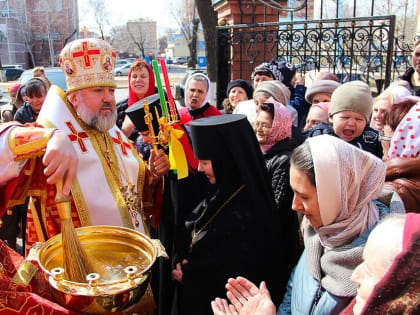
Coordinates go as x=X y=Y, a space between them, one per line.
x=282 y=125
x=132 y=96
x=280 y=70
x=347 y=180
x=405 y=142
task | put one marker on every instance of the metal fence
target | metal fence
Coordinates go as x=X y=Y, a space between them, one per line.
x=354 y=48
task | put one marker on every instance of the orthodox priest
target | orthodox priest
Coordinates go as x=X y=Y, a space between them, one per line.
x=75 y=139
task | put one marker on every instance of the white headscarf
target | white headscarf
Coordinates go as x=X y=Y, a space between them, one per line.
x=192 y=77
x=347 y=180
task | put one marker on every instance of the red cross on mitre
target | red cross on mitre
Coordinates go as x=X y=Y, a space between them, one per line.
x=119 y=140
x=77 y=136
x=86 y=53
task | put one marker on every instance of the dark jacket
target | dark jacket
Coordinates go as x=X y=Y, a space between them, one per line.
x=403 y=177
x=121 y=107
x=277 y=159
x=234 y=244
x=407 y=77
x=25 y=114
x=297 y=100
x=367 y=141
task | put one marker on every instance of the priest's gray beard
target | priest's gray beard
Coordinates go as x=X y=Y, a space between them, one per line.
x=97 y=120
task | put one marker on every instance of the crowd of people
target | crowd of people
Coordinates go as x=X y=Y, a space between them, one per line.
x=302 y=194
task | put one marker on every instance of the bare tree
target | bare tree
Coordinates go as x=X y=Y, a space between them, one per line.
x=163 y=43
x=208 y=19
x=188 y=24
x=49 y=23
x=100 y=14
x=118 y=37
x=138 y=36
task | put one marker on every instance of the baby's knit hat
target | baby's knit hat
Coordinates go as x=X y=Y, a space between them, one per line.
x=353 y=96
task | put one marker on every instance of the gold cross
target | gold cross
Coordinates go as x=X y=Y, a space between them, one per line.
x=132 y=200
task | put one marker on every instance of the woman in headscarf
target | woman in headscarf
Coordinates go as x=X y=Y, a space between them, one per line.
x=401 y=143
x=279 y=92
x=237 y=91
x=335 y=185
x=273 y=128
x=389 y=278
x=141 y=84
x=197 y=96
x=235 y=229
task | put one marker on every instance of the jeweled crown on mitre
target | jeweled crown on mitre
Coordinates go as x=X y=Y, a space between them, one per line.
x=88 y=62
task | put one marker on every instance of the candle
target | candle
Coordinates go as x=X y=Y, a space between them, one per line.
x=168 y=88
x=160 y=89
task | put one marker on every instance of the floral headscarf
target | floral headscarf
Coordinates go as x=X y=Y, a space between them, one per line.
x=282 y=125
x=405 y=142
x=132 y=96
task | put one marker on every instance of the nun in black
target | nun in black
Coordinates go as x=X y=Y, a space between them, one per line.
x=179 y=196
x=235 y=230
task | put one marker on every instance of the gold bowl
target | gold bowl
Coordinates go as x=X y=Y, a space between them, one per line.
x=123 y=259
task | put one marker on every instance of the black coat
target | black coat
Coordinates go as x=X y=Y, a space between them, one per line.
x=277 y=159
x=367 y=141
x=25 y=114
x=240 y=234
x=179 y=199
x=234 y=244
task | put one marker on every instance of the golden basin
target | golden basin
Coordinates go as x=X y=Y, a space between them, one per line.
x=122 y=258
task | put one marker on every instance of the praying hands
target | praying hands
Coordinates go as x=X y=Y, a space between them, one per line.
x=246 y=299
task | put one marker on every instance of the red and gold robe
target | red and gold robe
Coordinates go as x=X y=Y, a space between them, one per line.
x=96 y=193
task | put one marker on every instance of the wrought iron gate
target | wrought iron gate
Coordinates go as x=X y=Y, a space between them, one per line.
x=354 y=48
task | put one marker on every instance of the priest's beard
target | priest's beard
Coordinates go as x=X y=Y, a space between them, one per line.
x=97 y=120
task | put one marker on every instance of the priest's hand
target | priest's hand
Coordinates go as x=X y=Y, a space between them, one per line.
x=60 y=160
x=177 y=273
x=159 y=163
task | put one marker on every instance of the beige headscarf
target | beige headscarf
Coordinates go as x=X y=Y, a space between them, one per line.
x=276 y=89
x=347 y=180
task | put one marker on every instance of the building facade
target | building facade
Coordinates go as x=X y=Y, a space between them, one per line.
x=178 y=46
x=33 y=32
x=138 y=38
